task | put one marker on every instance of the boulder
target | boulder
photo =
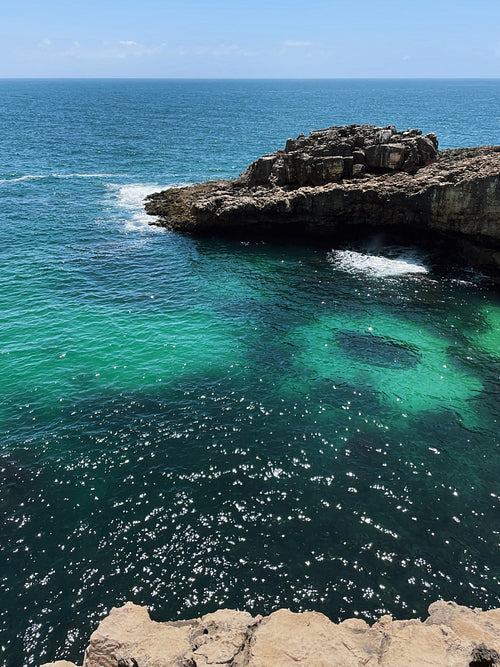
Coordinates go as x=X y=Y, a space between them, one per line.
x=384 y=149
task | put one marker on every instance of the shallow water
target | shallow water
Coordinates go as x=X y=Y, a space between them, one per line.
x=195 y=423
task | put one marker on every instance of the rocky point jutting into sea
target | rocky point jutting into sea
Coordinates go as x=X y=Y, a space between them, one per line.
x=451 y=636
x=343 y=182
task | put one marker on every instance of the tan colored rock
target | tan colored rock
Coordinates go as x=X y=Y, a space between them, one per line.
x=129 y=638
x=474 y=625
x=59 y=663
x=412 y=643
x=452 y=636
x=311 y=639
x=285 y=639
x=222 y=638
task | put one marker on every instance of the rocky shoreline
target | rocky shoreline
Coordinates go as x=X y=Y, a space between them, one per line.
x=341 y=183
x=451 y=636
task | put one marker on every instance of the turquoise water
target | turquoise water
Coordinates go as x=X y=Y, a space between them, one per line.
x=191 y=424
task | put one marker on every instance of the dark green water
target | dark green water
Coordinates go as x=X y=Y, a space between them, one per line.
x=192 y=424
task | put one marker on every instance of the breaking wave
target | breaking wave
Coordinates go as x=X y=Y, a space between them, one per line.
x=376 y=265
x=129 y=199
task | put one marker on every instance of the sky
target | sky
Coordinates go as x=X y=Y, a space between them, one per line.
x=253 y=39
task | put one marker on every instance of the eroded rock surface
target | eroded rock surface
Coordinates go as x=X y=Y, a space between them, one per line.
x=452 y=636
x=341 y=181
x=328 y=156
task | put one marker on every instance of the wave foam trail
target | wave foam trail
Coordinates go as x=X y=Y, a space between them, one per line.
x=376 y=265
x=36 y=177
x=27 y=177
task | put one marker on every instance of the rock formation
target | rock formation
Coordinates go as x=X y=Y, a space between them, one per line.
x=328 y=156
x=339 y=182
x=452 y=636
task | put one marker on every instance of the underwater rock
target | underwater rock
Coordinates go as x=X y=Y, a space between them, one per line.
x=452 y=635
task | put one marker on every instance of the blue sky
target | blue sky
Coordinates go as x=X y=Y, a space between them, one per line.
x=257 y=39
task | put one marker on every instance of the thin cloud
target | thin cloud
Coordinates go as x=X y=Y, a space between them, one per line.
x=222 y=50
x=128 y=49
x=231 y=50
x=120 y=50
x=294 y=44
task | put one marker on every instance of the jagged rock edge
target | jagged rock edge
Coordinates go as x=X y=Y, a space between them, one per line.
x=451 y=636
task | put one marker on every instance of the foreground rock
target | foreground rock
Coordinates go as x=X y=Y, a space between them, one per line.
x=341 y=182
x=452 y=636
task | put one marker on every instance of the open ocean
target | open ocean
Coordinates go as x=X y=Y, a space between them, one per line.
x=190 y=424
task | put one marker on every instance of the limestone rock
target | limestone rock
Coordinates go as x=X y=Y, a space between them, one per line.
x=474 y=625
x=221 y=638
x=452 y=636
x=326 y=156
x=129 y=638
x=340 y=182
x=310 y=638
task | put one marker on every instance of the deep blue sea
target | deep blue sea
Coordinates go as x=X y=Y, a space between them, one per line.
x=190 y=424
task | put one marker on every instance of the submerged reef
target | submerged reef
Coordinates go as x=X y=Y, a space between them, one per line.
x=345 y=182
x=451 y=636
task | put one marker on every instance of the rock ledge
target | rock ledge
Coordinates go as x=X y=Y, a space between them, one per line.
x=452 y=636
x=345 y=181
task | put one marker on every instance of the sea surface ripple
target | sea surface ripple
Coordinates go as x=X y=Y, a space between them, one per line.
x=191 y=424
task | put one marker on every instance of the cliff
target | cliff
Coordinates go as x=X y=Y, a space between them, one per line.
x=340 y=183
x=452 y=636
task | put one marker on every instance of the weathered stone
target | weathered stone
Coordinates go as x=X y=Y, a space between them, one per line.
x=427 y=147
x=474 y=625
x=386 y=149
x=404 y=188
x=358 y=156
x=129 y=638
x=482 y=656
x=452 y=636
x=327 y=170
x=262 y=168
x=284 y=638
x=348 y=165
x=358 y=170
x=221 y=637
x=385 y=156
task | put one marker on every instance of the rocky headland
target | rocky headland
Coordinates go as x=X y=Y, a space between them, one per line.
x=342 y=183
x=451 y=636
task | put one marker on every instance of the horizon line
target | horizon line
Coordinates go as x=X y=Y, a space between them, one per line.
x=256 y=78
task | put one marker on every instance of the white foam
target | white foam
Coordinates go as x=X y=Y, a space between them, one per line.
x=85 y=175
x=130 y=199
x=376 y=265
x=33 y=177
x=139 y=222
x=28 y=177
x=132 y=195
